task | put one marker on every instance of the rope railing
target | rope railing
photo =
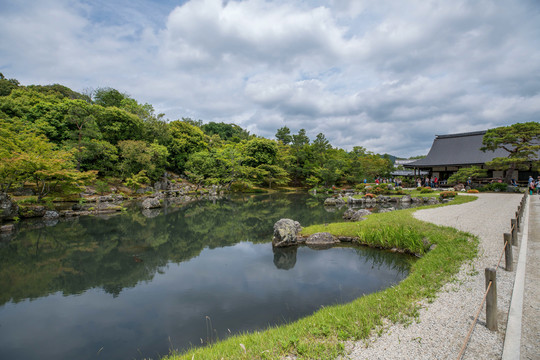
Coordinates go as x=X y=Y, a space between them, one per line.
x=474 y=323
x=490 y=295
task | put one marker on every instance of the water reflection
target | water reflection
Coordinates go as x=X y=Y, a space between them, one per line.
x=127 y=283
x=284 y=257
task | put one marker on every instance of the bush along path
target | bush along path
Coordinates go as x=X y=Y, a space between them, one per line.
x=324 y=334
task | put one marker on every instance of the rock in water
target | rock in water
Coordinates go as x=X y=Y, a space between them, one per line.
x=8 y=208
x=334 y=202
x=286 y=232
x=355 y=215
x=151 y=203
x=321 y=239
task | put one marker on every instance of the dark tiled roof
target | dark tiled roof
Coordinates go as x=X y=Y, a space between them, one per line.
x=407 y=173
x=458 y=149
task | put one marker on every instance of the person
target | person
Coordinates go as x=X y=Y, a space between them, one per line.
x=469 y=182
x=514 y=183
x=538 y=186
x=532 y=186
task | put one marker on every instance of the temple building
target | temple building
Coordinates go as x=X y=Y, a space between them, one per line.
x=451 y=152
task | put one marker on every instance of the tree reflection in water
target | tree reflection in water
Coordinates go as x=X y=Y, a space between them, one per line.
x=144 y=276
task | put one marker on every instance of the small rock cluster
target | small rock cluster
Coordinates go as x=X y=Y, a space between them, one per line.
x=355 y=215
x=379 y=200
x=287 y=234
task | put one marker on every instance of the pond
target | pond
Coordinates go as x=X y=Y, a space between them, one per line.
x=137 y=285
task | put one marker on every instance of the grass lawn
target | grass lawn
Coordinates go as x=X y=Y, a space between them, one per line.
x=321 y=335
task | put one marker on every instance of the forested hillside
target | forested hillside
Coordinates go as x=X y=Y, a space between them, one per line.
x=54 y=135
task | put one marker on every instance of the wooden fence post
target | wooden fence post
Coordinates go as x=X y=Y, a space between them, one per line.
x=514 y=231
x=508 y=255
x=517 y=220
x=491 y=299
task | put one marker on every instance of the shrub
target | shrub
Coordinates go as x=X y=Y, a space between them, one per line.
x=137 y=181
x=102 y=187
x=400 y=192
x=426 y=190
x=448 y=194
x=381 y=189
x=497 y=187
x=370 y=196
x=360 y=187
x=28 y=200
x=472 y=191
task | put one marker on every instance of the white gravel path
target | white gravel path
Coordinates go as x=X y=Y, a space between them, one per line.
x=443 y=324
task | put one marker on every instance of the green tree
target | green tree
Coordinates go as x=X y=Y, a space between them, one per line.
x=28 y=156
x=522 y=143
x=321 y=144
x=204 y=167
x=228 y=132
x=109 y=97
x=7 y=85
x=136 y=155
x=81 y=114
x=99 y=155
x=261 y=151
x=60 y=91
x=301 y=153
x=186 y=139
x=463 y=174
x=283 y=134
x=116 y=124
x=300 y=139
x=233 y=158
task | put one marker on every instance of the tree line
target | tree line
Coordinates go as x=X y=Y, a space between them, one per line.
x=56 y=138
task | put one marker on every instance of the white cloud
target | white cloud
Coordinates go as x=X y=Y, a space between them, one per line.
x=385 y=75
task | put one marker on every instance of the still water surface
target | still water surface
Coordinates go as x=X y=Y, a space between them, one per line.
x=136 y=285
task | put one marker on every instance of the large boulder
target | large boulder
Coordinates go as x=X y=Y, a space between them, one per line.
x=7 y=228
x=51 y=215
x=31 y=211
x=322 y=239
x=406 y=199
x=8 y=208
x=286 y=233
x=334 y=202
x=355 y=215
x=459 y=187
x=351 y=200
x=151 y=203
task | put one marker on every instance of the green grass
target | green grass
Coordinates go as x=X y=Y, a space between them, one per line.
x=321 y=335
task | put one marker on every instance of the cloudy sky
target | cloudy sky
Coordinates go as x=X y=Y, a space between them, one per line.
x=386 y=75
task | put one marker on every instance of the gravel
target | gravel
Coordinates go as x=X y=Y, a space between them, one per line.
x=442 y=326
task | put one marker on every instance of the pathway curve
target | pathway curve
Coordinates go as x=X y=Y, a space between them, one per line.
x=443 y=324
